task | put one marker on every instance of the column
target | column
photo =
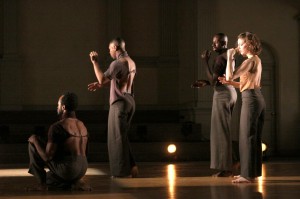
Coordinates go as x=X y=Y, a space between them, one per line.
x=168 y=55
x=168 y=30
x=10 y=75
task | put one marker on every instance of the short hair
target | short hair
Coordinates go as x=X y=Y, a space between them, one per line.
x=222 y=37
x=252 y=41
x=70 y=101
x=119 y=42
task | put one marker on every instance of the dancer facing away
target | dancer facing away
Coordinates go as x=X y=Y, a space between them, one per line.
x=253 y=104
x=64 y=153
x=120 y=75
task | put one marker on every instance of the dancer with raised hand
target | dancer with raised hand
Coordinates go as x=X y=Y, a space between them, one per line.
x=120 y=75
x=224 y=99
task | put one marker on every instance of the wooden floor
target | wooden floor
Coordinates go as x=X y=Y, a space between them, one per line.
x=159 y=180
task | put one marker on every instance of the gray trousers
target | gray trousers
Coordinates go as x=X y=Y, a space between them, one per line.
x=119 y=118
x=62 y=174
x=251 y=126
x=224 y=100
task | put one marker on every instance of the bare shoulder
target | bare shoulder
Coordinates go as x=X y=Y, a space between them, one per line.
x=81 y=127
x=80 y=123
x=73 y=125
x=257 y=59
x=131 y=63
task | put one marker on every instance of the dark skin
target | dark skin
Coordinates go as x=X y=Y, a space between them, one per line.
x=114 y=51
x=73 y=145
x=200 y=83
x=219 y=45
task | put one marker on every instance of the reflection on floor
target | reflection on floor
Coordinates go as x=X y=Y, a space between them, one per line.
x=281 y=179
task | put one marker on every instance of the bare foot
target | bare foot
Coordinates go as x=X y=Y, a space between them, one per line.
x=236 y=177
x=242 y=180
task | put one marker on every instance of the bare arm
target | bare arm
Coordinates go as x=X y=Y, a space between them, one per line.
x=47 y=154
x=246 y=66
x=98 y=72
x=230 y=64
x=231 y=73
x=233 y=83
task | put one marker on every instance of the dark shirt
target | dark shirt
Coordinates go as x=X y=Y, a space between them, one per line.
x=219 y=67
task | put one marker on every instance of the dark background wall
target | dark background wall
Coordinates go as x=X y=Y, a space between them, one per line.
x=44 y=49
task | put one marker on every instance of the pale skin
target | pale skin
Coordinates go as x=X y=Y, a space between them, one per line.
x=228 y=77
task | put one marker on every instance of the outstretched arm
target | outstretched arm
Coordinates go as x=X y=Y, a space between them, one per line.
x=229 y=82
x=94 y=86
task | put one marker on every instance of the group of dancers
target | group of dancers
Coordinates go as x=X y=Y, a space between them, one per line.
x=64 y=149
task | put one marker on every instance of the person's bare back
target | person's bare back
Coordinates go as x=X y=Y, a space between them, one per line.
x=77 y=142
x=127 y=82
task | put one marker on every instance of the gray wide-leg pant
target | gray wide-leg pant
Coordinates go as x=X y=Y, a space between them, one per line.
x=224 y=100
x=62 y=174
x=120 y=155
x=251 y=126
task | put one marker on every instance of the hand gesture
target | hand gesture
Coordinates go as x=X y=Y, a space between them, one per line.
x=94 y=56
x=206 y=55
x=223 y=80
x=231 y=52
x=32 y=139
x=200 y=83
x=94 y=86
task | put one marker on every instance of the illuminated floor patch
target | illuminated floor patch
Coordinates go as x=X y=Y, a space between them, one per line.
x=24 y=172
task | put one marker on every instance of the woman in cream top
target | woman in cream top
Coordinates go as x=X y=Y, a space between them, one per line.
x=253 y=104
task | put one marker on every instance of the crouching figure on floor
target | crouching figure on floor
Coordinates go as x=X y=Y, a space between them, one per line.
x=63 y=151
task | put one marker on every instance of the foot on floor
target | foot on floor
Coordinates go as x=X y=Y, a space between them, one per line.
x=242 y=180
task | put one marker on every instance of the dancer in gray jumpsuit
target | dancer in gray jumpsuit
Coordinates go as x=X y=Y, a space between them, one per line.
x=224 y=99
x=64 y=153
x=120 y=75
